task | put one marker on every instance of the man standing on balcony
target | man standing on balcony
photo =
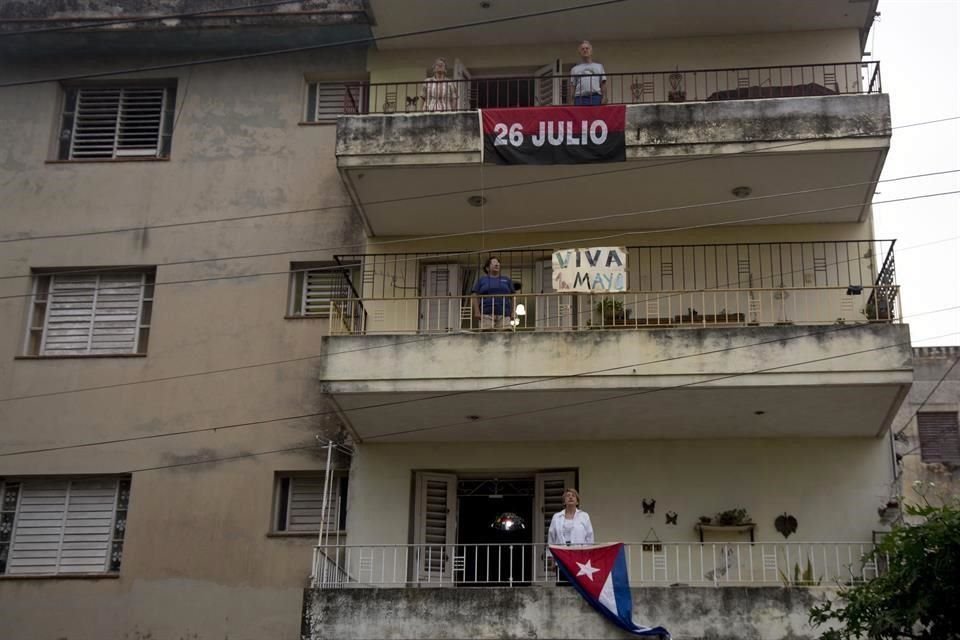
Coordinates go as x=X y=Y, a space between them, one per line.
x=588 y=81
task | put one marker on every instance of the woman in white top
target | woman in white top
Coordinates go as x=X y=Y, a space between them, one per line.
x=570 y=526
x=439 y=92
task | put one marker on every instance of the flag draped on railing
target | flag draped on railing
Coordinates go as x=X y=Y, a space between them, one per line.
x=599 y=574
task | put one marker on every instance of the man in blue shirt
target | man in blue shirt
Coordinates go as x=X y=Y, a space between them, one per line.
x=494 y=303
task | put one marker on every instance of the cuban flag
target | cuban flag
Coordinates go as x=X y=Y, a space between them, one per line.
x=599 y=573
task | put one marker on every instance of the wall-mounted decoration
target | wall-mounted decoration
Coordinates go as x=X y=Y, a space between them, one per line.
x=671 y=517
x=785 y=524
x=649 y=506
x=651 y=542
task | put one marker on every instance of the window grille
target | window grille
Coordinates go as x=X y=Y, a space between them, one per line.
x=300 y=503
x=116 y=122
x=939 y=436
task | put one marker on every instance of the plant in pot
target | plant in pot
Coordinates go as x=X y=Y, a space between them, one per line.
x=732 y=518
x=873 y=311
x=705 y=520
x=610 y=311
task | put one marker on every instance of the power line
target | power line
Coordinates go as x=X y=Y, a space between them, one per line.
x=311 y=47
x=552 y=408
x=619 y=234
x=450 y=394
x=156 y=18
x=927 y=399
x=25 y=238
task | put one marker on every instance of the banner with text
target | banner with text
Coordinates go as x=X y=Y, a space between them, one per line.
x=554 y=135
x=590 y=270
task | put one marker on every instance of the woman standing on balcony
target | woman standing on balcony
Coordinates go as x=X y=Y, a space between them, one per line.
x=494 y=303
x=439 y=93
x=570 y=526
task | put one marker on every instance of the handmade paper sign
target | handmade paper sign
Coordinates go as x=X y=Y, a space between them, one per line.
x=596 y=269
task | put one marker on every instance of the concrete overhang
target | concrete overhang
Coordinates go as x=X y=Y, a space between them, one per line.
x=625 y=21
x=752 y=382
x=414 y=173
x=92 y=28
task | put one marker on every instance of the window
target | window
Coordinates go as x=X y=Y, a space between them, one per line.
x=61 y=526
x=939 y=436
x=313 y=285
x=105 y=313
x=327 y=100
x=299 y=505
x=113 y=122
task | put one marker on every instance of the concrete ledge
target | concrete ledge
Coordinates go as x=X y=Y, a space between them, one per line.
x=685 y=128
x=761 y=613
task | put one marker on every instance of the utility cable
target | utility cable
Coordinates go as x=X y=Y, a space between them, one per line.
x=455 y=393
x=545 y=409
x=927 y=399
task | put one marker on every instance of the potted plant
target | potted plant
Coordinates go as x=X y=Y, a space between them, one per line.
x=873 y=311
x=732 y=518
x=705 y=520
x=610 y=311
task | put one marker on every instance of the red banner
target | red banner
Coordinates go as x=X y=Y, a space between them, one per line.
x=554 y=135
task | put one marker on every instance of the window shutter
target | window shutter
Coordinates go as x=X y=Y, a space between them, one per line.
x=93 y=314
x=88 y=526
x=548 y=496
x=118 y=122
x=939 y=436
x=39 y=528
x=306 y=505
x=320 y=287
x=327 y=100
x=436 y=524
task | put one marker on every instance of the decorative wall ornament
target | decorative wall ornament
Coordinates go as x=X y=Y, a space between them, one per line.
x=785 y=524
x=671 y=517
x=651 y=542
x=649 y=506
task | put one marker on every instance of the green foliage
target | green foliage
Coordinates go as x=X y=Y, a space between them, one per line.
x=801 y=577
x=732 y=517
x=916 y=595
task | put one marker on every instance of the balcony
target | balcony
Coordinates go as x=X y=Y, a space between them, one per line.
x=413 y=167
x=519 y=598
x=705 y=337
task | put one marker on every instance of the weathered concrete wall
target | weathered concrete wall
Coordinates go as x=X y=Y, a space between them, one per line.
x=682 y=127
x=761 y=613
x=198 y=559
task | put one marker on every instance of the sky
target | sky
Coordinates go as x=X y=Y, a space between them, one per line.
x=918 y=45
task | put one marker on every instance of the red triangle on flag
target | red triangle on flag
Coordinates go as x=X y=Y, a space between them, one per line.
x=589 y=566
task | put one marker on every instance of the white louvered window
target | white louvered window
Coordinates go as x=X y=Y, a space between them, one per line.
x=327 y=100
x=117 y=121
x=299 y=506
x=314 y=285
x=60 y=526
x=85 y=314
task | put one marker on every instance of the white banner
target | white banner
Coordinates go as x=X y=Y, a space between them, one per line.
x=590 y=270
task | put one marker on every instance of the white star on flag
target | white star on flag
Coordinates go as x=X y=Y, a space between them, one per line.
x=587 y=570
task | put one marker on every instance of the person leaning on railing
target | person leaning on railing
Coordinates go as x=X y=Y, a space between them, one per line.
x=494 y=303
x=439 y=93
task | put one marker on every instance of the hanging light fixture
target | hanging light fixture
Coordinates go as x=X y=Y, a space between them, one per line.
x=508 y=521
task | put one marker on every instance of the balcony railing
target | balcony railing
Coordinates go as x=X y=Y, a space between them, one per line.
x=797 y=564
x=638 y=87
x=629 y=310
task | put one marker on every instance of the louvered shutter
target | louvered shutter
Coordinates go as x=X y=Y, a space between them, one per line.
x=118 y=122
x=93 y=314
x=319 y=288
x=63 y=527
x=548 y=495
x=939 y=436
x=436 y=525
x=548 y=82
x=305 y=509
x=327 y=100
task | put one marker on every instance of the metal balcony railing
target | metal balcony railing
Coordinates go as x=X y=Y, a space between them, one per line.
x=638 y=87
x=627 y=310
x=794 y=564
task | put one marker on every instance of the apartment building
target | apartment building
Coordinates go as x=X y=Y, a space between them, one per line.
x=293 y=244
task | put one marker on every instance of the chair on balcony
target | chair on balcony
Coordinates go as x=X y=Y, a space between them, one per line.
x=459 y=566
x=365 y=565
x=640 y=89
x=390 y=100
x=768 y=560
x=660 y=563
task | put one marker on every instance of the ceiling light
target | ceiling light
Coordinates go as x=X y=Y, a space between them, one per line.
x=476 y=201
x=484 y=5
x=759 y=413
x=741 y=192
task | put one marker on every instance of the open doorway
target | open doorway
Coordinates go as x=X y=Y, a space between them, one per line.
x=495 y=529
